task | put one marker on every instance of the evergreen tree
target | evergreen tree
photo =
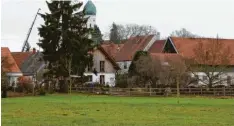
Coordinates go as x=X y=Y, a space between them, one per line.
x=132 y=68
x=114 y=35
x=64 y=39
x=96 y=35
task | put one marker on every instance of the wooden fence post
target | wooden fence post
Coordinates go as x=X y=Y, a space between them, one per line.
x=214 y=91
x=224 y=91
x=129 y=92
x=150 y=91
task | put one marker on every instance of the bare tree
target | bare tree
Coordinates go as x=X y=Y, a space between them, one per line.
x=183 y=33
x=162 y=69
x=179 y=72
x=131 y=30
x=148 y=70
x=212 y=59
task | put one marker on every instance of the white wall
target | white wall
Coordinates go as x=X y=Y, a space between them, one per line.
x=223 y=77
x=91 y=20
x=13 y=77
x=121 y=65
x=109 y=74
x=99 y=56
x=109 y=78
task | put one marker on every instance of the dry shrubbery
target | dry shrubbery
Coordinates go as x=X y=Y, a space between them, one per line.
x=25 y=84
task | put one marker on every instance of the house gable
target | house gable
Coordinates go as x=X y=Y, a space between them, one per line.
x=100 y=57
x=169 y=47
x=9 y=65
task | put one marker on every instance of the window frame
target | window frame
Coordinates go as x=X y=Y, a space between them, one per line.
x=102 y=66
x=102 y=79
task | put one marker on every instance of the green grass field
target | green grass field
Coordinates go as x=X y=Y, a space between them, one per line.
x=82 y=110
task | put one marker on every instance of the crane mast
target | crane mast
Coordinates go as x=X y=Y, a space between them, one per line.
x=26 y=47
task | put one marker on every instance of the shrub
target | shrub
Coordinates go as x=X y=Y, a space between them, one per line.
x=121 y=81
x=41 y=92
x=19 y=88
x=28 y=87
x=26 y=83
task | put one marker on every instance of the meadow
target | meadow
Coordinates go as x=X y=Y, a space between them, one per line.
x=93 y=110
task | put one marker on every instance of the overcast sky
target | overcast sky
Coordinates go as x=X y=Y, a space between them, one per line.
x=202 y=17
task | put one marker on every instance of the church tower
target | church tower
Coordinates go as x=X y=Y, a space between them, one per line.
x=90 y=13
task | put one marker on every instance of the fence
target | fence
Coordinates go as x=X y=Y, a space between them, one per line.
x=225 y=91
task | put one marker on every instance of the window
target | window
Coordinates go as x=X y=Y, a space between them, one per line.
x=102 y=66
x=229 y=80
x=125 y=65
x=102 y=79
x=90 y=78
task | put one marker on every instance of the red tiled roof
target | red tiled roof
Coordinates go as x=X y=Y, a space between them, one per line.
x=157 y=47
x=9 y=62
x=131 y=46
x=166 y=56
x=20 y=57
x=111 y=48
x=186 y=46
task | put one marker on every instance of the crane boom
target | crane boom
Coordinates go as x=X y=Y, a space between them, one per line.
x=26 y=47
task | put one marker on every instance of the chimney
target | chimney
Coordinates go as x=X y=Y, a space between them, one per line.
x=158 y=35
x=34 y=51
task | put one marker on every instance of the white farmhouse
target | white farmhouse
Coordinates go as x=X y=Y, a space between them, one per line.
x=104 y=65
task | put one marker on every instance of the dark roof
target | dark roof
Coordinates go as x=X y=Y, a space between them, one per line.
x=29 y=62
x=9 y=62
x=157 y=47
x=131 y=46
x=20 y=57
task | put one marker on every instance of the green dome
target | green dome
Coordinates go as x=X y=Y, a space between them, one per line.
x=89 y=8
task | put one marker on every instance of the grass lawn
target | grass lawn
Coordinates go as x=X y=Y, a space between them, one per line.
x=83 y=110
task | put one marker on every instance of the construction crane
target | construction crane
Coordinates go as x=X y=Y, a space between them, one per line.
x=26 y=47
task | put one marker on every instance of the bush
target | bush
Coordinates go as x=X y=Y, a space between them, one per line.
x=19 y=88
x=10 y=88
x=28 y=87
x=4 y=93
x=42 y=92
x=26 y=83
x=121 y=81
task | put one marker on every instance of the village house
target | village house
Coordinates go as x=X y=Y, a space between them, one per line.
x=124 y=57
x=104 y=68
x=10 y=67
x=30 y=63
x=186 y=48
